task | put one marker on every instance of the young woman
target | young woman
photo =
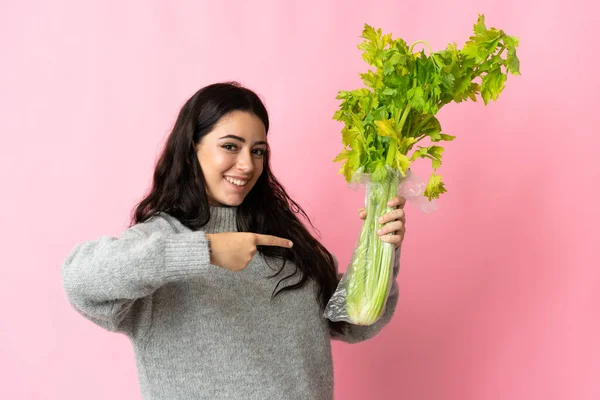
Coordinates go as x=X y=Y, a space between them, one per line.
x=217 y=282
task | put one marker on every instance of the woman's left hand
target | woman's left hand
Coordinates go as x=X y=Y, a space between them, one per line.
x=394 y=221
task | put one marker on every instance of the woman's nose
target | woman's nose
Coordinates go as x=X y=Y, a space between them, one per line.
x=245 y=162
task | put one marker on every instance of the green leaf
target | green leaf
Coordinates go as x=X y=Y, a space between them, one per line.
x=435 y=187
x=483 y=43
x=435 y=151
x=462 y=89
x=339 y=115
x=420 y=152
x=447 y=138
x=372 y=80
x=513 y=62
x=342 y=95
x=432 y=128
x=370 y=34
x=342 y=156
x=435 y=136
x=386 y=127
x=416 y=98
x=479 y=27
x=347 y=171
x=349 y=134
x=492 y=85
x=402 y=161
x=406 y=143
x=511 y=41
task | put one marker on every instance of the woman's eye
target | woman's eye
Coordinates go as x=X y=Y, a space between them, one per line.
x=231 y=147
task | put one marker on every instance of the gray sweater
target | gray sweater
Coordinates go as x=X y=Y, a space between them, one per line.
x=200 y=331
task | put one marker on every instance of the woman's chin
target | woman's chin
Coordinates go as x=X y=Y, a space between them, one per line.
x=229 y=196
x=231 y=201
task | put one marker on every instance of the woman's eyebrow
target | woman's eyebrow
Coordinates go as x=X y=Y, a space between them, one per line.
x=241 y=139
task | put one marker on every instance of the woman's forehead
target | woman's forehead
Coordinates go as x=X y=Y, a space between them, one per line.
x=241 y=126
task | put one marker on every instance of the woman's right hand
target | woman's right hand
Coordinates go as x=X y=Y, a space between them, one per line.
x=235 y=250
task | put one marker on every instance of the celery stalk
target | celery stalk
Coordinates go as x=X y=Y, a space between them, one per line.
x=372 y=264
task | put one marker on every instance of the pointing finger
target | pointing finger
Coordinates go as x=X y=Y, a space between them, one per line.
x=268 y=240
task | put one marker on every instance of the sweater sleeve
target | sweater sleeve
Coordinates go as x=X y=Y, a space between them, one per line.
x=358 y=333
x=105 y=278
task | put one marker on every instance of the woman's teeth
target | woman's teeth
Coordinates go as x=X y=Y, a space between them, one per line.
x=236 y=182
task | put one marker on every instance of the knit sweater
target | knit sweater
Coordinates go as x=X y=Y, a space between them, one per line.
x=200 y=331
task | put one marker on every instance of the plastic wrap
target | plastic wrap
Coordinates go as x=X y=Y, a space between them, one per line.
x=363 y=290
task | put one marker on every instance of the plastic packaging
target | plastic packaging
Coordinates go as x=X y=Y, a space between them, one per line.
x=363 y=290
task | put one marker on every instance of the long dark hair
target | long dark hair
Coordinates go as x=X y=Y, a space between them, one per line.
x=179 y=189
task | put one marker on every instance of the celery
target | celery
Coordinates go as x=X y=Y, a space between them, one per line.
x=385 y=121
x=373 y=259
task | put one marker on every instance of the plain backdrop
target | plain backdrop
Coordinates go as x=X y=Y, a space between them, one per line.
x=499 y=289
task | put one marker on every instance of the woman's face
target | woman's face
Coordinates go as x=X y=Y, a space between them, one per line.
x=231 y=157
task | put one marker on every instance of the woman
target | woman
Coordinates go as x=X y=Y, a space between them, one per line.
x=217 y=302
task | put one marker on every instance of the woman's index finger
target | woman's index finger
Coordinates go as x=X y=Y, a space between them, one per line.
x=269 y=240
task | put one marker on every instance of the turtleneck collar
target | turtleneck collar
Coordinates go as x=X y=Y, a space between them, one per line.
x=222 y=219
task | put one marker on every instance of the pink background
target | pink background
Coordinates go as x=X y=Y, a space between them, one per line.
x=499 y=294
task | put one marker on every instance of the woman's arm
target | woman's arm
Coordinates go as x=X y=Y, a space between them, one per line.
x=103 y=278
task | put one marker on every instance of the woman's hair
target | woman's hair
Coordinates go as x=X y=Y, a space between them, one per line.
x=179 y=189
